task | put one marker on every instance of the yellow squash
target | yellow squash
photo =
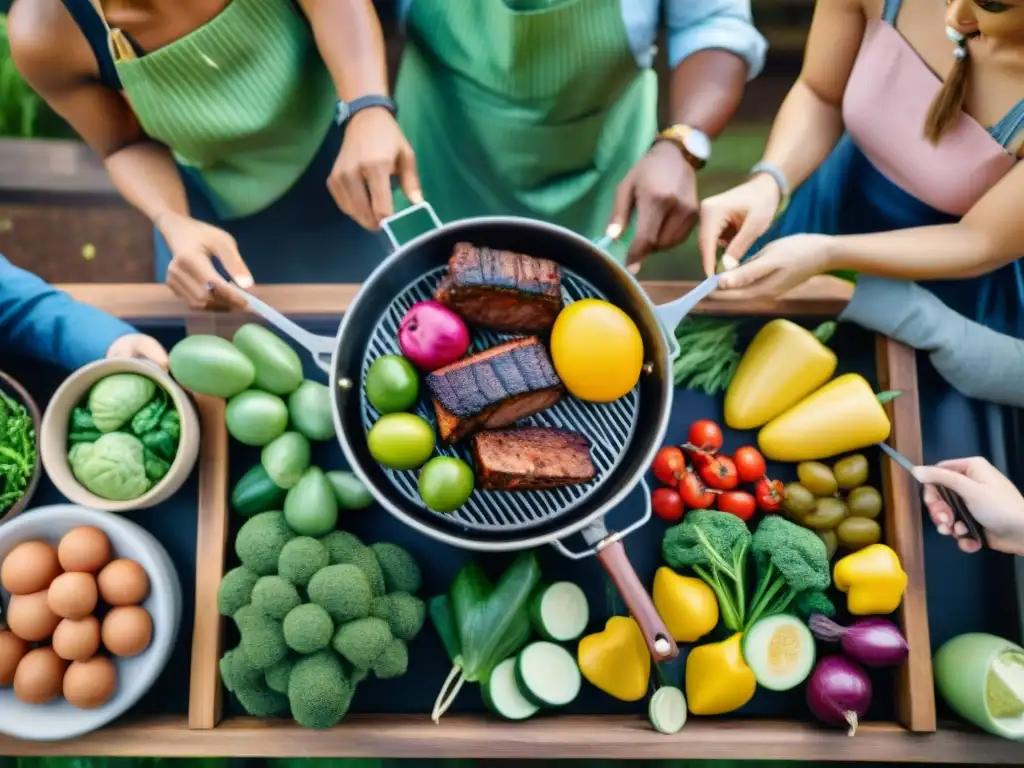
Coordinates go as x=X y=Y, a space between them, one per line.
x=718 y=680
x=873 y=580
x=844 y=415
x=783 y=364
x=616 y=660
x=687 y=605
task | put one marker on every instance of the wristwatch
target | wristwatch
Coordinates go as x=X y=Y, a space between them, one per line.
x=695 y=145
x=770 y=169
x=346 y=110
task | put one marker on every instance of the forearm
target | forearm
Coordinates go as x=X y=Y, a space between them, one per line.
x=803 y=134
x=706 y=90
x=350 y=41
x=146 y=176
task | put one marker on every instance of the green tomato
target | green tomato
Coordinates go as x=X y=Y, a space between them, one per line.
x=392 y=384
x=400 y=441
x=255 y=418
x=445 y=483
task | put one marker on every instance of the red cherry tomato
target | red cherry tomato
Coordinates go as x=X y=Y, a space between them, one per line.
x=698 y=458
x=750 y=464
x=705 y=436
x=720 y=473
x=770 y=494
x=668 y=465
x=667 y=504
x=739 y=503
x=695 y=494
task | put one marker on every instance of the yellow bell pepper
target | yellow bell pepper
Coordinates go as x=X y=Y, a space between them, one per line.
x=873 y=580
x=783 y=364
x=687 y=605
x=616 y=660
x=844 y=415
x=718 y=680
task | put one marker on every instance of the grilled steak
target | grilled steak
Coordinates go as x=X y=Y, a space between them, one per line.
x=494 y=388
x=501 y=290
x=531 y=458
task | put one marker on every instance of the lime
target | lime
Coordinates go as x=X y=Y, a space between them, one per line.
x=392 y=384
x=445 y=483
x=401 y=441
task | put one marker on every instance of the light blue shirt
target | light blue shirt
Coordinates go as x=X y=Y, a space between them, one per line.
x=38 y=321
x=692 y=25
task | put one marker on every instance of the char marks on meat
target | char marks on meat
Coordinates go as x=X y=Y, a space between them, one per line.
x=493 y=388
x=531 y=458
x=502 y=290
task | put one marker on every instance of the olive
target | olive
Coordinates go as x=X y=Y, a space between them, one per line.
x=864 y=502
x=830 y=541
x=816 y=478
x=827 y=514
x=858 y=532
x=797 y=501
x=851 y=471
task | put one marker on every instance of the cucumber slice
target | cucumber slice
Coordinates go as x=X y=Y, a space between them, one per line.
x=667 y=710
x=502 y=696
x=560 y=612
x=779 y=651
x=547 y=675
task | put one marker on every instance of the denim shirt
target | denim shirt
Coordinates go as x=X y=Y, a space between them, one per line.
x=692 y=25
x=38 y=321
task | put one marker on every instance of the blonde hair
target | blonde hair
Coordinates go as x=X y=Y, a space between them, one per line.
x=949 y=102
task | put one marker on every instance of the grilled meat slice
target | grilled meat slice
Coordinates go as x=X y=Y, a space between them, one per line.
x=494 y=388
x=501 y=290
x=531 y=458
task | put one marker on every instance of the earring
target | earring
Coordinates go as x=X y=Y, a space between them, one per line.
x=954 y=36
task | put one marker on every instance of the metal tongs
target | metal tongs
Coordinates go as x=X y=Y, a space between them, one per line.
x=961 y=514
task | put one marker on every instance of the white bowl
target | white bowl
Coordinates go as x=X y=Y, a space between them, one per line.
x=136 y=675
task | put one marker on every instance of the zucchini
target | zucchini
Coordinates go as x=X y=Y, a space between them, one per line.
x=256 y=493
x=349 y=490
x=277 y=366
x=502 y=696
x=255 y=418
x=547 y=675
x=779 y=651
x=210 y=365
x=667 y=710
x=560 y=612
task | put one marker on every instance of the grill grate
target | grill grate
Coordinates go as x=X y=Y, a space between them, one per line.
x=608 y=426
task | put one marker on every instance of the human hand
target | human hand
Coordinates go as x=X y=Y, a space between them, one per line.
x=373 y=150
x=993 y=500
x=735 y=219
x=662 y=187
x=776 y=269
x=191 y=274
x=140 y=345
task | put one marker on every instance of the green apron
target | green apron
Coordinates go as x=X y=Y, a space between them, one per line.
x=524 y=107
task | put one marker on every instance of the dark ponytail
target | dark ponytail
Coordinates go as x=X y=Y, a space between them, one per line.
x=946 y=108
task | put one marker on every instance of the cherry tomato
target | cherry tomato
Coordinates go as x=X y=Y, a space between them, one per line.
x=750 y=464
x=668 y=465
x=667 y=504
x=695 y=494
x=739 y=503
x=705 y=435
x=697 y=457
x=770 y=494
x=720 y=473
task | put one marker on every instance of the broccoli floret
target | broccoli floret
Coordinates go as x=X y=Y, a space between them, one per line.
x=235 y=590
x=319 y=691
x=714 y=544
x=236 y=671
x=259 y=701
x=277 y=676
x=274 y=596
x=260 y=541
x=403 y=612
x=362 y=641
x=400 y=569
x=308 y=628
x=300 y=559
x=262 y=638
x=393 y=662
x=342 y=590
x=364 y=559
x=341 y=546
x=811 y=601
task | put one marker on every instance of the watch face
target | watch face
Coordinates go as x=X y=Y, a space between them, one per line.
x=698 y=145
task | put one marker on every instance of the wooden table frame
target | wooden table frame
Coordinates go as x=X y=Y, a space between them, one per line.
x=203 y=732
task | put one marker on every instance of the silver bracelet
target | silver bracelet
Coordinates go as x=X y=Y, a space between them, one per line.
x=780 y=179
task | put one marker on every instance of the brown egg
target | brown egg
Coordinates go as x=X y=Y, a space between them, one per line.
x=77 y=640
x=72 y=595
x=123 y=582
x=29 y=567
x=12 y=649
x=39 y=676
x=90 y=684
x=85 y=549
x=30 y=618
x=127 y=630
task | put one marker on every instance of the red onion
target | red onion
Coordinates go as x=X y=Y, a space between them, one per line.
x=874 y=641
x=432 y=336
x=839 y=692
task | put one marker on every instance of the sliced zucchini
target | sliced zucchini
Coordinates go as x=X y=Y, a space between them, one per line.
x=547 y=675
x=560 y=612
x=667 y=710
x=502 y=696
x=779 y=651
